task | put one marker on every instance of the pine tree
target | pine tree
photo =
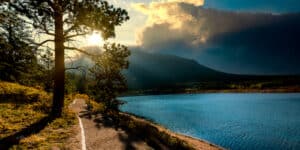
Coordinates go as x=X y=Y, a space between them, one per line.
x=17 y=55
x=107 y=73
x=62 y=21
x=47 y=62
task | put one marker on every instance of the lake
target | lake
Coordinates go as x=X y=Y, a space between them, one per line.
x=233 y=121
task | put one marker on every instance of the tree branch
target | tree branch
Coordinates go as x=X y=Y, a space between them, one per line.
x=70 y=29
x=48 y=33
x=79 y=50
x=42 y=43
x=51 y=4
x=75 y=35
x=75 y=68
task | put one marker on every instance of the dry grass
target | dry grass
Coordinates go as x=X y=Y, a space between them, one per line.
x=22 y=106
x=160 y=137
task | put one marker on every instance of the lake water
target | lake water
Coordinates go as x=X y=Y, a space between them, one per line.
x=233 y=121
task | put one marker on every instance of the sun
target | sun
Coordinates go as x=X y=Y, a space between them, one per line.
x=94 y=39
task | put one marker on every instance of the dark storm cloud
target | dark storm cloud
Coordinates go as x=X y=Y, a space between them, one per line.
x=272 y=48
x=235 y=42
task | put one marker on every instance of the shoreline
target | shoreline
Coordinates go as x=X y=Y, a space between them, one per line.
x=193 y=142
x=194 y=91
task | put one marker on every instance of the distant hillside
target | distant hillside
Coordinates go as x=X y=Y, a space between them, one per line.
x=149 y=70
x=155 y=73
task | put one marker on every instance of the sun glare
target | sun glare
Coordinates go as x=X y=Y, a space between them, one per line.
x=95 y=39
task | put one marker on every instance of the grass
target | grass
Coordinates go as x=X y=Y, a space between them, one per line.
x=22 y=106
x=157 y=138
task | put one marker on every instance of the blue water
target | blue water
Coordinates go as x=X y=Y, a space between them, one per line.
x=233 y=121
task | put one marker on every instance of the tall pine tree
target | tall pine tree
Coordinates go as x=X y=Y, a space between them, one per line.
x=61 y=21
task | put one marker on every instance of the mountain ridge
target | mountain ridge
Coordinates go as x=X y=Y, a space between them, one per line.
x=153 y=70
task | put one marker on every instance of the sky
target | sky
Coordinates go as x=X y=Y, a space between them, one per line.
x=235 y=36
x=273 y=6
x=127 y=32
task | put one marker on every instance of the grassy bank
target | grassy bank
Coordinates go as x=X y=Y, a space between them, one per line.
x=160 y=137
x=24 y=121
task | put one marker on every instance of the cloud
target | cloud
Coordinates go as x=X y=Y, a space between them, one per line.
x=189 y=22
x=194 y=2
x=177 y=18
x=229 y=41
x=166 y=12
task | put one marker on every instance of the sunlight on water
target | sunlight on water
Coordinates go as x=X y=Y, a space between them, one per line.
x=234 y=121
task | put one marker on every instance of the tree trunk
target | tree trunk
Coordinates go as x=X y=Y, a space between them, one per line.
x=59 y=74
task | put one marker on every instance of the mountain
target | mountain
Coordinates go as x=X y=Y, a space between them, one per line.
x=162 y=72
x=152 y=70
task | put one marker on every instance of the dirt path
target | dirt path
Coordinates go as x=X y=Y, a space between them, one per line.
x=101 y=134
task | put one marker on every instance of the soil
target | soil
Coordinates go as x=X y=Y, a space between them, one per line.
x=101 y=134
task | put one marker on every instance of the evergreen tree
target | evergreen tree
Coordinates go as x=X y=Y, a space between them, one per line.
x=17 y=56
x=46 y=73
x=62 y=21
x=107 y=74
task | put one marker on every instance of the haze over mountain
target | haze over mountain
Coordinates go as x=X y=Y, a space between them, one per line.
x=150 y=70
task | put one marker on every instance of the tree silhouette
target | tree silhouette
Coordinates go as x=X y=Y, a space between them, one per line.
x=107 y=74
x=17 y=55
x=46 y=74
x=60 y=22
